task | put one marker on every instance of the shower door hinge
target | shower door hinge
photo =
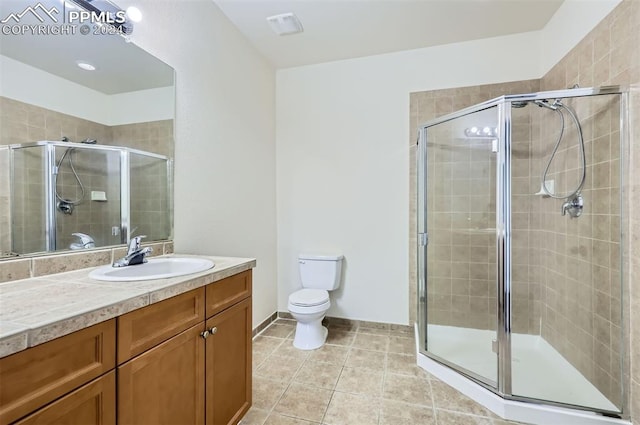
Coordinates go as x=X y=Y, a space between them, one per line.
x=423 y=239
x=494 y=346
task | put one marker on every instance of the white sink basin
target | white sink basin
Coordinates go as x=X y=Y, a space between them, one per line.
x=155 y=268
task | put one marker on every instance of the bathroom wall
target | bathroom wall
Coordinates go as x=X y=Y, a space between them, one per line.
x=225 y=137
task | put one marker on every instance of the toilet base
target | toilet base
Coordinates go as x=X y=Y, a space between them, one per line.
x=310 y=336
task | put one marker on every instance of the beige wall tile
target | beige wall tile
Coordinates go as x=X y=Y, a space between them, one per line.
x=15 y=269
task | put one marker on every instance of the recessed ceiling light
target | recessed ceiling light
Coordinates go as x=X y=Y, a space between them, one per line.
x=86 y=65
x=134 y=14
x=284 y=24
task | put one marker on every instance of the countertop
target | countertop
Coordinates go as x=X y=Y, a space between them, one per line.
x=37 y=310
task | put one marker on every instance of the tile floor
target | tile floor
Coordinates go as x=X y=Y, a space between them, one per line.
x=362 y=376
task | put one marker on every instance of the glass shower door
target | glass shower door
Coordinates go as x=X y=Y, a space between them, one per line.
x=457 y=228
x=150 y=196
x=87 y=192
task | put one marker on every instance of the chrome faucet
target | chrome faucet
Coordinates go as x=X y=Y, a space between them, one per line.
x=573 y=206
x=135 y=254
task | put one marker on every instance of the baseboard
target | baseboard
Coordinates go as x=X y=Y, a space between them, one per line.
x=266 y=322
x=353 y=324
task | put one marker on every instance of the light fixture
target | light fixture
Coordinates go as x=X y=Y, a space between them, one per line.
x=85 y=65
x=481 y=132
x=285 y=24
x=134 y=14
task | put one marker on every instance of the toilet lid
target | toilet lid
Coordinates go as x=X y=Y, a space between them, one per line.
x=309 y=297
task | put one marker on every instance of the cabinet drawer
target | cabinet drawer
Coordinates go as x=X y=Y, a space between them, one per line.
x=92 y=404
x=142 y=329
x=227 y=292
x=34 y=377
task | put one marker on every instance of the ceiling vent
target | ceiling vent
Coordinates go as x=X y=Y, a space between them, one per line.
x=285 y=24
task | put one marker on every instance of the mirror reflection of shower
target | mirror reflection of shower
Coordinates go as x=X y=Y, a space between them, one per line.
x=574 y=201
x=66 y=205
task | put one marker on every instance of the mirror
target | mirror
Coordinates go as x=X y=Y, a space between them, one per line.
x=81 y=81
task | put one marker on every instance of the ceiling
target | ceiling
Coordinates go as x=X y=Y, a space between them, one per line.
x=342 y=29
x=121 y=67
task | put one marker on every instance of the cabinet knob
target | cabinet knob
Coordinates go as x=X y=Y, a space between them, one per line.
x=204 y=334
x=213 y=330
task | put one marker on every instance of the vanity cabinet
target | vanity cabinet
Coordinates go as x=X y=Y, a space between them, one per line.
x=183 y=360
x=195 y=373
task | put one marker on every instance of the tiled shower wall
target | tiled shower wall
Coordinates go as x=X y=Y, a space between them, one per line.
x=580 y=257
x=464 y=265
x=23 y=123
x=574 y=265
x=582 y=292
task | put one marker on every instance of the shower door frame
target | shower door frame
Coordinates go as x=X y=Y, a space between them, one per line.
x=503 y=235
x=50 y=171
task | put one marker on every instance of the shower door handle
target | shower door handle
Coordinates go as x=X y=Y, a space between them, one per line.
x=423 y=239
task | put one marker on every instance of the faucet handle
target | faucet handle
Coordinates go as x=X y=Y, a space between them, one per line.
x=134 y=243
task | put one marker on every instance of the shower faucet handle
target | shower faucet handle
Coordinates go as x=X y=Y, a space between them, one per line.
x=573 y=206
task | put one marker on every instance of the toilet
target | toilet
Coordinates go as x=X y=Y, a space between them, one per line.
x=318 y=274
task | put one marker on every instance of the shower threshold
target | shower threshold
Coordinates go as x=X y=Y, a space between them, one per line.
x=538 y=371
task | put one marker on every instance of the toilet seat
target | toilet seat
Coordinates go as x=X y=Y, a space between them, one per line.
x=309 y=297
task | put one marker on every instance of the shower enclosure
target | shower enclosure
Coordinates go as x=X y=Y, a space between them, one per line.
x=519 y=287
x=62 y=191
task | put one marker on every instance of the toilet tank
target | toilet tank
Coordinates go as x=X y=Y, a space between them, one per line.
x=320 y=271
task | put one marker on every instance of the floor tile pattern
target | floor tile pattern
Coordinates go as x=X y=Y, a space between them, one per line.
x=364 y=375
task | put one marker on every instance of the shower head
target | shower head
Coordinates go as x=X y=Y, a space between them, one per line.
x=85 y=141
x=544 y=103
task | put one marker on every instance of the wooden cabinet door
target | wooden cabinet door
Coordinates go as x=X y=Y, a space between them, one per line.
x=91 y=404
x=34 y=377
x=228 y=365
x=164 y=385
